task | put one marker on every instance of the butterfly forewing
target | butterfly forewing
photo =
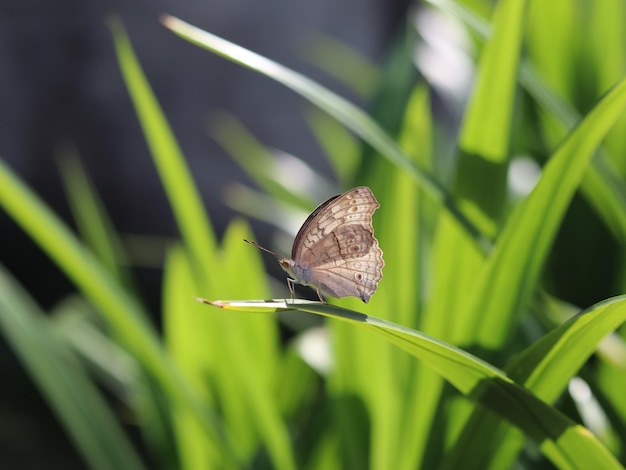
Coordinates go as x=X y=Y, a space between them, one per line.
x=354 y=206
x=297 y=244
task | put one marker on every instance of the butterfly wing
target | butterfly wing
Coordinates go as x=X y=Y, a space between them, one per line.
x=353 y=266
x=336 y=249
x=310 y=222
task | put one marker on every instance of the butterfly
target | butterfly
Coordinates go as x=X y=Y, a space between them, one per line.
x=335 y=251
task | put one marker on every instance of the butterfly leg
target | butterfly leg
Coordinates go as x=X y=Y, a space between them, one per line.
x=319 y=296
x=291 y=284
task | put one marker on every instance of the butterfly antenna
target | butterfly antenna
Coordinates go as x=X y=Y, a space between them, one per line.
x=261 y=248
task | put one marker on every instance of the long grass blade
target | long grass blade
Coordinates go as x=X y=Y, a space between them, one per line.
x=177 y=180
x=488 y=117
x=563 y=441
x=545 y=368
x=511 y=272
x=92 y=219
x=63 y=381
x=352 y=117
x=121 y=311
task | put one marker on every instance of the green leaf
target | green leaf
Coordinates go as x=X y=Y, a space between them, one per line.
x=92 y=219
x=352 y=117
x=487 y=122
x=406 y=241
x=188 y=341
x=122 y=312
x=176 y=178
x=200 y=342
x=62 y=381
x=38 y=221
x=602 y=185
x=565 y=443
x=545 y=368
x=605 y=48
x=510 y=275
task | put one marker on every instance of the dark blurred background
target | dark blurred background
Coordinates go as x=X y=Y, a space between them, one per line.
x=60 y=85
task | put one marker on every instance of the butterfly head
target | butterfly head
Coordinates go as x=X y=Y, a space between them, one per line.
x=288 y=265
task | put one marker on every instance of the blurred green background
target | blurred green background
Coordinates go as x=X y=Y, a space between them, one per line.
x=492 y=135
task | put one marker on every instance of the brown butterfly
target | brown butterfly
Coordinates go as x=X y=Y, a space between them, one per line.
x=335 y=251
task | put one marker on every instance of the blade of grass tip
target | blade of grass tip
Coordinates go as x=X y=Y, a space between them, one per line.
x=475 y=369
x=177 y=181
x=91 y=217
x=351 y=116
x=564 y=442
x=63 y=382
x=121 y=311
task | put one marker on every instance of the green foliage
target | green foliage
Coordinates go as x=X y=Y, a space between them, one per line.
x=464 y=355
